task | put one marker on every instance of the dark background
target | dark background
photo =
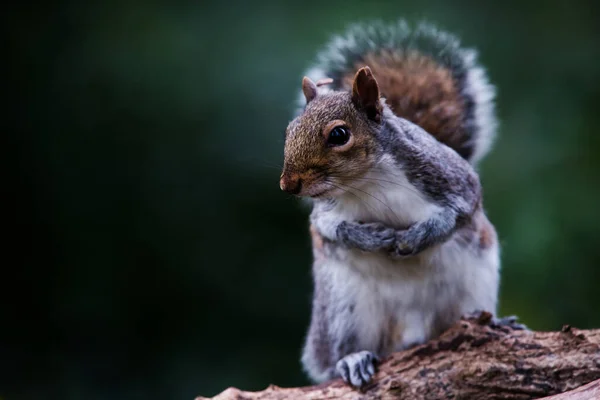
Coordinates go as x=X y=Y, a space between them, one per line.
x=151 y=254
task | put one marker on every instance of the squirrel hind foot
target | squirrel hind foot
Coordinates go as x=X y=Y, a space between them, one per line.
x=357 y=369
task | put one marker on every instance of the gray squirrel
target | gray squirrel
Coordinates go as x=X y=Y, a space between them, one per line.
x=391 y=124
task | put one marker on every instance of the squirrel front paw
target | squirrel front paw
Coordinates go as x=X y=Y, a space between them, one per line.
x=367 y=237
x=357 y=369
x=404 y=245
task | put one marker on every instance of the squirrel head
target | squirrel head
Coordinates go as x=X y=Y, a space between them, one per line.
x=333 y=141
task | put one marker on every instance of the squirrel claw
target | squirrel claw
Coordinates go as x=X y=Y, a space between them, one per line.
x=486 y=318
x=357 y=369
x=401 y=250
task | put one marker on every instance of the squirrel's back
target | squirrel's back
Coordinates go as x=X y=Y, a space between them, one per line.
x=424 y=76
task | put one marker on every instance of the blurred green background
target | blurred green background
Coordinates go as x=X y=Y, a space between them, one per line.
x=152 y=254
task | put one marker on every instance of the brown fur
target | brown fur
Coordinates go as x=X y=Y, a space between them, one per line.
x=487 y=235
x=479 y=232
x=317 y=244
x=306 y=153
x=420 y=90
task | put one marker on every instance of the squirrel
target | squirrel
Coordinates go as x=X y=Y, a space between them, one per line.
x=392 y=123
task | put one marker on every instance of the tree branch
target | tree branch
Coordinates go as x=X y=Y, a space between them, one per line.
x=473 y=360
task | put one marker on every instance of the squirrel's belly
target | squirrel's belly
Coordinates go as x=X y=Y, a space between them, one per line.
x=408 y=295
x=401 y=303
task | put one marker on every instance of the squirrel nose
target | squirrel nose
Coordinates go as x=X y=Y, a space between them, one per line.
x=291 y=184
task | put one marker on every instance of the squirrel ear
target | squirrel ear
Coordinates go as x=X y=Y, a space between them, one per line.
x=365 y=93
x=309 y=88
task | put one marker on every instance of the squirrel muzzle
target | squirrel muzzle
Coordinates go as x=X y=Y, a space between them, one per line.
x=290 y=183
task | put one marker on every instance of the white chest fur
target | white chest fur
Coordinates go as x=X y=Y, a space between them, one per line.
x=384 y=195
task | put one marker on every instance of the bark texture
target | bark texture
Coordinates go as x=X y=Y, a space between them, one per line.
x=475 y=359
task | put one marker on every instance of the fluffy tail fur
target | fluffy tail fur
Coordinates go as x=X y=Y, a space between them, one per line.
x=424 y=76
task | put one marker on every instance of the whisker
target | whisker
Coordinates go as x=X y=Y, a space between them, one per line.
x=369 y=194
x=368 y=179
x=408 y=188
x=271 y=166
x=379 y=168
x=353 y=194
x=259 y=161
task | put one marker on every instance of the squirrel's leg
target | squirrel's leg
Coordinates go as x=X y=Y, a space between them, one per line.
x=375 y=236
x=333 y=347
x=424 y=234
x=400 y=242
x=367 y=237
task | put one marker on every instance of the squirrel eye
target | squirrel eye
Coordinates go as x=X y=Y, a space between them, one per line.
x=338 y=136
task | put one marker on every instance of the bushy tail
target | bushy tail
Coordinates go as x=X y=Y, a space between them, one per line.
x=425 y=77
